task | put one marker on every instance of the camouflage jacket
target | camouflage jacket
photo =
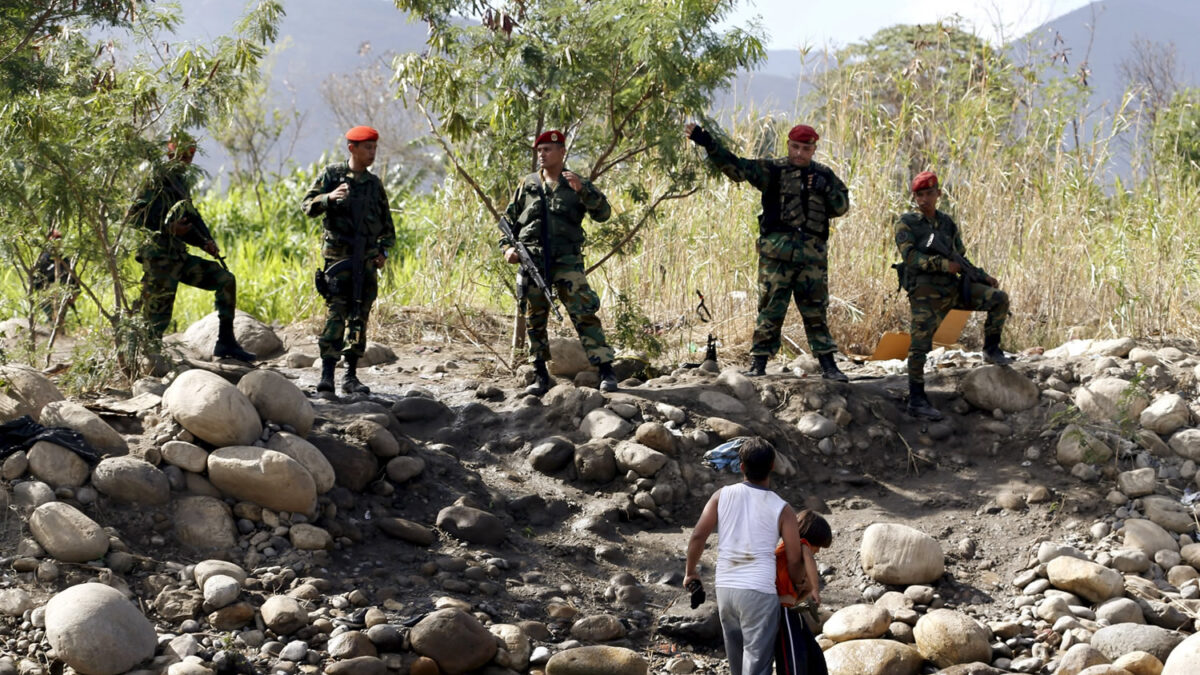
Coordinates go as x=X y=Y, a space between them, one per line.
x=167 y=196
x=921 y=267
x=365 y=209
x=797 y=202
x=562 y=208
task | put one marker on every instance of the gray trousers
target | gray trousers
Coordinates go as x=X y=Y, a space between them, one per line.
x=750 y=622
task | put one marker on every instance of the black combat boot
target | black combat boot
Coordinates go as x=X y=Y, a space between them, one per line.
x=541 y=379
x=350 y=383
x=608 y=379
x=829 y=369
x=327 y=367
x=992 y=352
x=918 y=403
x=758 y=366
x=227 y=345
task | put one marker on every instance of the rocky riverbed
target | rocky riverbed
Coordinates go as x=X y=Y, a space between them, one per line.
x=233 y=522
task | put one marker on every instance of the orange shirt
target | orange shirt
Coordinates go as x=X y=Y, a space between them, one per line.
x=783 y=581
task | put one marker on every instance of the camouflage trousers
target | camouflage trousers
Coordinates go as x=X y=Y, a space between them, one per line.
x=931 y=304
x=345 y=331
x=161 y=276
x=581 y=302
x=779 y=281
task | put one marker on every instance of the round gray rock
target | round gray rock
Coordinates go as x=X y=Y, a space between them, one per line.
x=454 y=639
x=872 y=657
x=187 y=456
x=132 y=480
x=212 y=409
x=471 y=525
x=94 y=629
x=264 y=477
x=96 y=431
x=277 y=400
x=309 y=457
x=67 y=534
x=992 y=387
x=283 y=615
x=897 y=554
x=1122 y=638
x=57 y=465
x=204 y=523
x=596 y=660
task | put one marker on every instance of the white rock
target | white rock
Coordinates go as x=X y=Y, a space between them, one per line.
x=187 y=456
x=265 y=477
x=56 y=465
x=94 y=430
x=252 y=334
x=1085 y=578
x=1106 y=399
x=872 y=657
x=278 y=400
x=1119 y=347
x=206 y=569
x=897 y=554
x=94 y=629
x=604 y=423
x=67 y=534
x=309 y=457
x=636 y=457
x=28 y=389
x=220 y=590
x=1186 y=444
x=1184 y=657
x=1136 y=483
x=946 y=638
x=212 y=409
x=992 y=387
x=739 y=384
x=857 y=622
x=815 y=425
x=1166 y=415
x=1148 y=537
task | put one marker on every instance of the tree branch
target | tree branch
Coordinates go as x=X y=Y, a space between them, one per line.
x=641 y=222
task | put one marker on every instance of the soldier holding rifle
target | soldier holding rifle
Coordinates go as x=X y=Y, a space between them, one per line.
x=358 y=234
x=938 y=277
x=547 y=216
x=164 y=206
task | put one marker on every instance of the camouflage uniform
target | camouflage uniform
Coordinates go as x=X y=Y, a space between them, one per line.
x=933 y=291
x=798 y=203
x=165 y=260
x=364 y=210
x=559 y=220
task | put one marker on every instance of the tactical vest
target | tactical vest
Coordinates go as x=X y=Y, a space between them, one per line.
x=788 y=205
x=921 y=229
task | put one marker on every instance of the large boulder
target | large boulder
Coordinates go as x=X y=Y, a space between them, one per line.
x=265 y=477
x=204 y=523
x=1076 y=445
x=992 y=387
x=277 y=400
x=857 y=622
x=1148 y=537
x=308 y=455
x=596 y=660
x=28 y=389
x=897 y=554
x=1166 y=415
x=595 y=462
x=946 y=637
x=94 y=629
x=212 y=409
x=1184 y=657
x=56 y=465
x=640 y=459
x=131 y=480
x=1122 y=638
x=1089 y=580
x=67 y=534
x=471 y=525
x=454 y=639
x=1109 y=399
x=252 y=334
x=1186 y=444
x=89 y=425
x=1169 y=514
x=872 y=657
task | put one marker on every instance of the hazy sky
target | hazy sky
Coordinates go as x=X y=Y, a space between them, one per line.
x=792 y=23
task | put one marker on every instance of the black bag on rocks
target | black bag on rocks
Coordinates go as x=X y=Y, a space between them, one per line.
x=23 y=432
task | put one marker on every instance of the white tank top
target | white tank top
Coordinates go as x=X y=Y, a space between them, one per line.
x=747 y=533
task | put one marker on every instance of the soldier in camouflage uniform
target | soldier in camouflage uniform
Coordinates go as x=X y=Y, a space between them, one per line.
x=934 y=289
x=164 y=206
x=355 y=205
x=799 y=198
x=547 y=216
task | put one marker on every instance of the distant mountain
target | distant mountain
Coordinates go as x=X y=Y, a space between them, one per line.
x=342 y=37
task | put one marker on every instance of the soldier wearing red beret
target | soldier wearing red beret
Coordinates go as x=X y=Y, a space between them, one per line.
x=931 y=277
x=357 y=220
x=799 y=198
x=547 y=215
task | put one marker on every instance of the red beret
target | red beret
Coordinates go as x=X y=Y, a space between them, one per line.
x=925 y=179
x=552 y=136
x=358 y=134
x=802 y=133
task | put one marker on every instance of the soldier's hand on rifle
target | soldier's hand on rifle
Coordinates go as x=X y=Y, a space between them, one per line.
x=210 y=247
x=179 y=227
x=380 y=260
x=953 y=267
x=339 y=193
x=511 y=256
x=573 y=180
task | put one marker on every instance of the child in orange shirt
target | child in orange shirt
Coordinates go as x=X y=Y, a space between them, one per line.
x=796 y=649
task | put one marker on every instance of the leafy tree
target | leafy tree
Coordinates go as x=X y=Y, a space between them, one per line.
x=84 y=118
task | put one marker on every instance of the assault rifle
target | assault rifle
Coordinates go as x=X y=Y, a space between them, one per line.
x=529 y=268
x=970 y=273
x=186 y=211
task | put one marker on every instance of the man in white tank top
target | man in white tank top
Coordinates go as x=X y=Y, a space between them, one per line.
x=750 y=519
